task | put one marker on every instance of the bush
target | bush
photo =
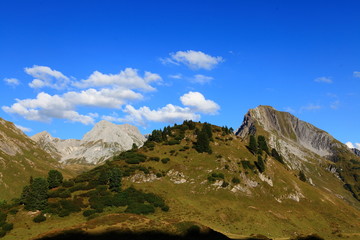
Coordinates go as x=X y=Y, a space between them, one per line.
x=68 y=183
x=89 y=212
x=156 y=159
x=165 y=160
x=165 y=208
x=235 y=180
x=224 y=184
x=39 y=218
x=2 y=233
x=64 y=213
x=7 y=227
x=139 y=208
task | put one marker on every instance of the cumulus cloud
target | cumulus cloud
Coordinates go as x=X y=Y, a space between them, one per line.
x=202 y=79
x=47 y=77
x=128 y=78
x=176 y=76
x=353 y=145
x=168 y=114
x=12 y=81
x=194 y=104
x=45 y=107
x=323 y=80
x=193 y=59
x=356 y=74
x=198 y=103
x=24 y=129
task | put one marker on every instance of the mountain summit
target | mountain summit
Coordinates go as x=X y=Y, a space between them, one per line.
x=303 y=146
x=103 y=141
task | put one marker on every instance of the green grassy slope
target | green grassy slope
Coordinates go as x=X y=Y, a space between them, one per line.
x=275 y=203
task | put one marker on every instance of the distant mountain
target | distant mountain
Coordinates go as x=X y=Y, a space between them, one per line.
x=99 y=144
x=20 y=158
x=303 y=146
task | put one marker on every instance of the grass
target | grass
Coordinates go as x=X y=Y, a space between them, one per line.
x=257 y=210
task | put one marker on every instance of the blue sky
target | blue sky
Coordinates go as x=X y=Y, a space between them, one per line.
x=66 y=65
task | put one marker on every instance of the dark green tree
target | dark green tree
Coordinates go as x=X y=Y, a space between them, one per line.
x=253 y=144
x=156 y=136
x=302 y=176
x=115 y=179
x=277 y=156
x=55 y=178
x=260 y=164
x=262 y=144
x=208 y=129
x=36 y=195
x=203 y=142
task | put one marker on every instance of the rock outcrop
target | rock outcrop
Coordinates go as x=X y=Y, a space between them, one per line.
x=286 y=125
x=102 y=142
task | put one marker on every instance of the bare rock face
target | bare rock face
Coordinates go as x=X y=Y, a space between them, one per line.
x=286 y=126
x=102 y=142
x=356 y=151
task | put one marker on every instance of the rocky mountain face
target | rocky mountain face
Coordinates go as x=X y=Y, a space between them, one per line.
x=99 y=144
x=20 y=158
x=303 y=146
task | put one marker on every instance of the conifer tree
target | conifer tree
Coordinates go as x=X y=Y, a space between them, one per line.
x=55 y=178
x=252 y=144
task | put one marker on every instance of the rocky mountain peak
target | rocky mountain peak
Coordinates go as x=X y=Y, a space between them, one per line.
x=103 y=141
x=287 y=126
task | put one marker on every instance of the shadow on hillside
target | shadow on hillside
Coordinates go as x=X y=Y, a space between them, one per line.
x=116 y=235
x=152 y=235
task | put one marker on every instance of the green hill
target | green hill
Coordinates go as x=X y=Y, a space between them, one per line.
x=177 y=182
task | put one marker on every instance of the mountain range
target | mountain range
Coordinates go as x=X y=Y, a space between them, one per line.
x=275 y=177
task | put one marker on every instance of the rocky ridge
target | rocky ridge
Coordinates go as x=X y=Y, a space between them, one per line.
x=100 y=143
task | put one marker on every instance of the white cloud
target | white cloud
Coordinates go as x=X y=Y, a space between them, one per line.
x=46 y=107
x=202 y=79
x=168 y=114
x=198 y=103
x=24 y=129
x=128 y=78
x=193 y=59
x=353 y=145
x=12 y=81
x=194 y=103
x=176 y=76
x=310 y=107
x=47 y=77
x=356 y=74
x=107 y=98
x=335 y=104
x=323 y=79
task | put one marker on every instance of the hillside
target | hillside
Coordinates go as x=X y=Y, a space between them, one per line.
x=179 y=180
x=304 y=147
x=103 y=141
x=21 y=158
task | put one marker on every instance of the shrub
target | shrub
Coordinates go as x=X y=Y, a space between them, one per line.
x=39 y=218
x=156 y=159
x=7 y=227
x=302 y=176
x=224 y=184
x=165 y=160
x=139 y=208
x=55 y=178
x=2 y=233
x=65 y=194
x=89 y=212
x=64 y=213
x=235 y=180
x=68 y=183
x=165 y=208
